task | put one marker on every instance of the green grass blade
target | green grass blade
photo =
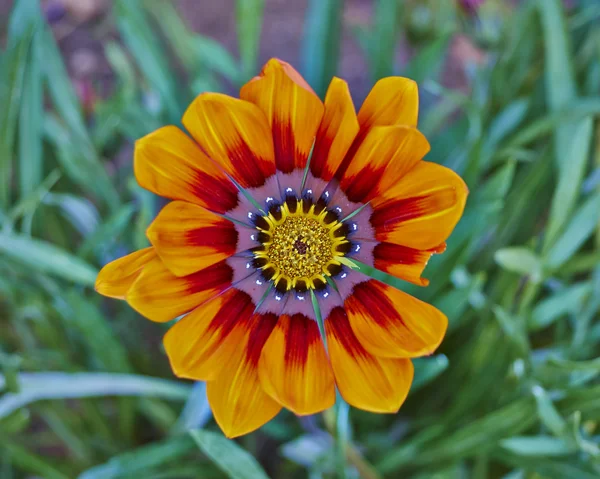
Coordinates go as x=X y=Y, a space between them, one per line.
x=133 y=463
x=249 y=17
x=44 y=386
x=228 y=456
x=44 y=257
x=321 y=43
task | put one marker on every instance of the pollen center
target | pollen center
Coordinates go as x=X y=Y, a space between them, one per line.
x=300 y=247
x=301 y=244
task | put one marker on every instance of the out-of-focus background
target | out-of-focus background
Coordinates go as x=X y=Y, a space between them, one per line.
x=510 y=97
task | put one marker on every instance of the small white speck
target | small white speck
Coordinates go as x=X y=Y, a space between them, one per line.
x=354 y=226
x=301 y=298
x=259 y=282
x=309 y=192
x=288 y=190
x=278 y=297
x=269 y=199
x=338 y=209
x=252 y=237
x=248 y=265
x=325 y=294
x=326 y=194
x=250 y=214
x=343 y=275
x=357 y=248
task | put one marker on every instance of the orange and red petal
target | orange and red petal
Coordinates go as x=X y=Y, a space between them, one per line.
x=422 y=209
x=235 y=134
x=336 y=133
x=391 y=101
x=205 y=341
x=368 y=382
x=115 y=278
x=404 y=262
x=391 y=323
x=189 y=238
x=161 y=296
x=294 y=369
x=293 y=112
x=383 y=158
x=168 y=163
x=237 y=398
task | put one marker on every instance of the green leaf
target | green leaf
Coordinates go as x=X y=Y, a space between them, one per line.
x=427 y=369
x=572 y=140
x=321 y=42
x=539 y=446
x=137 y=34
x=548 y=413
x=50 y=385
x=217 y=58
x=428 y=62
x=134 y=463
x=45 y=257
x=12 y=73
x=583 y=224
x=566 y=301
x=249 y=17
x=383 y=37
x=520 y=260
x=231 y=458
x=27 y=14
x=75 y=148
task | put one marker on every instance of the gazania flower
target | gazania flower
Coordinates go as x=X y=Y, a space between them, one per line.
x=279 y=199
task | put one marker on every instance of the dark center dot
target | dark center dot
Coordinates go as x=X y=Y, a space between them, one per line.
x=300 y=246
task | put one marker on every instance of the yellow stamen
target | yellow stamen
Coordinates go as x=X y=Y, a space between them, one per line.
x=301 y=247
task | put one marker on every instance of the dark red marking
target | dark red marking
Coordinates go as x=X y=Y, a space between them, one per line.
x=222 y=236
x=219 y=194
x=405 y=209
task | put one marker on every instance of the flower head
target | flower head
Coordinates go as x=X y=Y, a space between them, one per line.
x=278 y=197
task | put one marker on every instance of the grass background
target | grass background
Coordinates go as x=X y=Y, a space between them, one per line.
x=509 y=99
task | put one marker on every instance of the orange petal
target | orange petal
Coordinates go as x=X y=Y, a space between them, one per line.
x=383 y=158
x=294 y=368
x=289 y=70
x=117 y=276
x=422 y=209
x=368 y=382
x=391 y=323
x=236 y=396
x=168 y=163
x=392 y=101
x=189 y=238
x=205 y=341
x=293 y=112
x=161 y=296
x=235 y=134
x=404 y=262
x=337 y=131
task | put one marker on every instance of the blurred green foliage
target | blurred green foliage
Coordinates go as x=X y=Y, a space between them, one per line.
x=514 y=391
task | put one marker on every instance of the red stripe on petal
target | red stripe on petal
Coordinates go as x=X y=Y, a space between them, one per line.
x=161 y=296
x=391 y=323
x=407 y=209
x=217 y=276
x=223 y=237
x=286 y=152
x=294 y=369
x=404 y=262
x=365 y=381
x=262 y=326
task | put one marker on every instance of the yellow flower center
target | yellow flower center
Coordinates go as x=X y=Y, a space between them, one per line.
x=302 y=244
